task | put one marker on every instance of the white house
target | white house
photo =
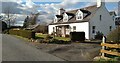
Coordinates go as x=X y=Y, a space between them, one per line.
x=90 y=20
x=117 y=21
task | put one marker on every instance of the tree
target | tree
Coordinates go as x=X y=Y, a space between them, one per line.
x=26 y=22
x=9 y=12
x=4 y=26
x=34 y=18
x=42 y=29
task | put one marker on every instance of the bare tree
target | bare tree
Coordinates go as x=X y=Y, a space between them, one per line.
x=34 y=18
x=8 y=13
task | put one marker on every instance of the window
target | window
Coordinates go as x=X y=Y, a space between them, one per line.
x=79 y=15
x=65 y=17
x=93 y=29
x=100 y=17
x=110 y=28
x=74 y=28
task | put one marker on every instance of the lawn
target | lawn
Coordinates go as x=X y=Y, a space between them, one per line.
x=39 y=35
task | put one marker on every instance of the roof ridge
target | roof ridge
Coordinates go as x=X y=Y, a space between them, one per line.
x=82 y=8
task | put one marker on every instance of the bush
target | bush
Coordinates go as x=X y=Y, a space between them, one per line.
x=27 y=34
x=114 y=36
x=53 y=41
x=5 y=32
x=3 y=25
x=48 y=37
x=24 y=33
x=14 y=32
x=99 y=35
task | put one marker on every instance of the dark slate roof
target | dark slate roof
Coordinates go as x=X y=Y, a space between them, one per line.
x=32 y=26
x=89 y=11
x=112 y=12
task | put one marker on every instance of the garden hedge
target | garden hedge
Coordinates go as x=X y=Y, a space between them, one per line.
x=24 y=33
x=114 y=36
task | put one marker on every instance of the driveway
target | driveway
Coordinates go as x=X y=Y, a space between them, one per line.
x=14 y=49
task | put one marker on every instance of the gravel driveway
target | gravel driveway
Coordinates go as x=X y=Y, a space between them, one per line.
x=71 y=52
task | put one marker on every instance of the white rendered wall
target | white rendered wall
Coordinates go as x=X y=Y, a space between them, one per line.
x=80 y=27
x=104 y=24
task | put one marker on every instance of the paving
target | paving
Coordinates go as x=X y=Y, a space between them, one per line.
x=14 y=49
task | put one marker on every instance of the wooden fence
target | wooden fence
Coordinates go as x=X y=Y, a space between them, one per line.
x=104 y=51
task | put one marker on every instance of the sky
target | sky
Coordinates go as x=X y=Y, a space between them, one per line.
x=49 y=8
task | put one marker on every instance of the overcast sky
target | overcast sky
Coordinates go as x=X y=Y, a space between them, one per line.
x=49 y=8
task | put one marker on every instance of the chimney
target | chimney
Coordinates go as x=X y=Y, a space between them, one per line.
x=61 y=11
x=100 y=3
x=119 y=8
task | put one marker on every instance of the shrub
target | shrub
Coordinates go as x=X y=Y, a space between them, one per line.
x=5 y=32
x=24 y=33
x=55 y=41
x=39 y=40
x=14 y=32
x=48 y=37
x=102 y=60
x=63 y=42
x=99 y=35
x=114 y=36
x=4 y=26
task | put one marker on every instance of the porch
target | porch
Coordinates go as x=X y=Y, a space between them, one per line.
x=63 y=30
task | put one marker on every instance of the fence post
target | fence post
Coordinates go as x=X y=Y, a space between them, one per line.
x=103 y=47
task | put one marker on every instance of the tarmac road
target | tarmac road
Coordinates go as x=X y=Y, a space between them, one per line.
x=14 y=49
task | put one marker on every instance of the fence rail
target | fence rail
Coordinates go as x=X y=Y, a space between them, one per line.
x=111 y=45
x=110 y=52
x=104 y=51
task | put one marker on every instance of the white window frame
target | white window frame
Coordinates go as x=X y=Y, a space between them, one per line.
x=65 y=17
x=78 y=14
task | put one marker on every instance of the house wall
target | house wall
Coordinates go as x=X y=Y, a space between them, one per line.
x=80 y=27
x=50 y=29
x=103 y=25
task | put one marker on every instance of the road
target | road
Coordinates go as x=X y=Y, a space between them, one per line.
x=14 y=49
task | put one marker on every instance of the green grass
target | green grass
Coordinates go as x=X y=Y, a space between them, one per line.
x=38 y=35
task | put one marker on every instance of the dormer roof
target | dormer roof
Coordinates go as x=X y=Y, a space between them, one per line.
x=88 y=11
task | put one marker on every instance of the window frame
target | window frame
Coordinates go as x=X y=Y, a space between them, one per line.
x=74 y=28
x=65 y=17
x=79 y=14
x=93 y=29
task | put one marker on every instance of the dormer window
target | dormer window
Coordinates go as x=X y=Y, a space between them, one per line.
x=55 y=19
x=65 y=17
x=79 y=15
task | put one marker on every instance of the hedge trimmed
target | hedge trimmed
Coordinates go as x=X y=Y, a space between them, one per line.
x=24 y=33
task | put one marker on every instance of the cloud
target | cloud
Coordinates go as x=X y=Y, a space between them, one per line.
x=52 y=9
x=48 y=11
x=10 y=0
